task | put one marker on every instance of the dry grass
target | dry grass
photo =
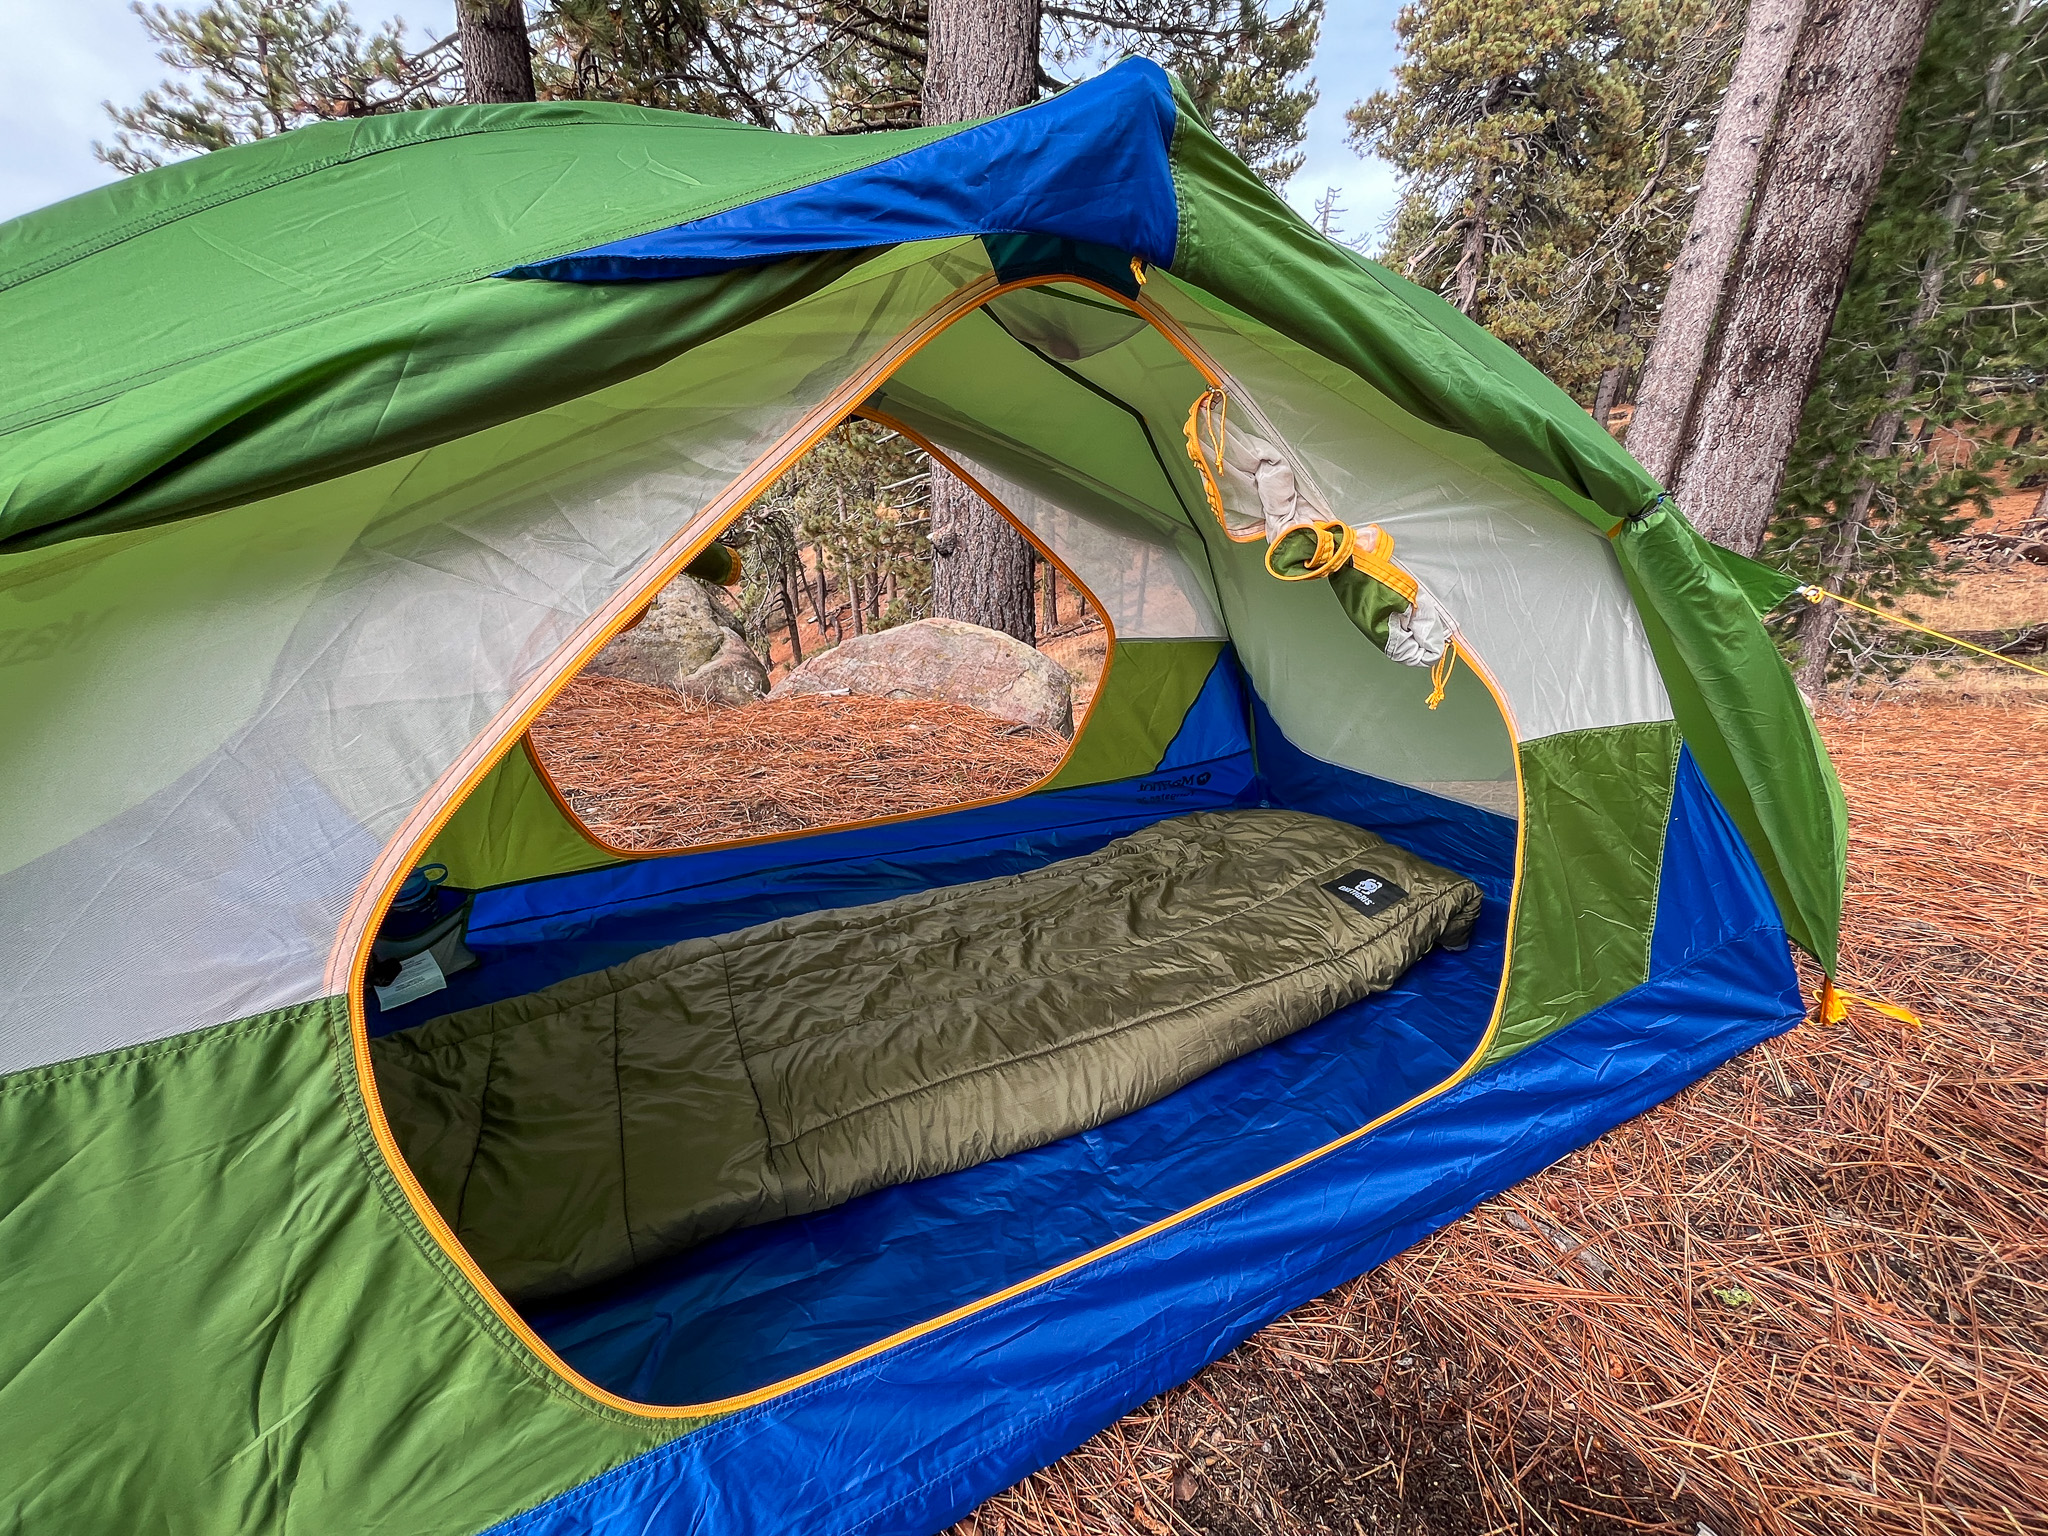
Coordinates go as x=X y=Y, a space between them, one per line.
x=1805 y=1296
x=645 y=769
x=2007 y=598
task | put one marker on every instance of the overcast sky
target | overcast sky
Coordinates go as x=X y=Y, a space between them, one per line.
x=60 y=59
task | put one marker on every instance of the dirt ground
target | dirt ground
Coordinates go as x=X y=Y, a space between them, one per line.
x=1807 y=1295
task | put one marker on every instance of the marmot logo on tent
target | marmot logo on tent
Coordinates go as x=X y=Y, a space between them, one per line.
x=21 y=646
x=1368 y=892
x=1185 y=781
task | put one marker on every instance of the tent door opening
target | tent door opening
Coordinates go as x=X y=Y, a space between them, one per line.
x=712 y=1120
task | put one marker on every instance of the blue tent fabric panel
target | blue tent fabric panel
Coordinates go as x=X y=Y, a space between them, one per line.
x=1091 y=165
x=951 y=1418
x=532 y=935
x=1710 y=887
x=1476 y=843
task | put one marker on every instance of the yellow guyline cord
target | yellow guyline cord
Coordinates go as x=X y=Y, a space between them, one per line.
x=1816 y=594
x=1835 y=1001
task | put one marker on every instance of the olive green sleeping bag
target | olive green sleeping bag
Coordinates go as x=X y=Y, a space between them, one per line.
x=573 y=1133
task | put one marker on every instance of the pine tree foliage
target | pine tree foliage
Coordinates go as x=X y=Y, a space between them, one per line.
x=1938 y=359
x=738 y=61
x=253 y=68
x=1549 y=150
x=258 y=67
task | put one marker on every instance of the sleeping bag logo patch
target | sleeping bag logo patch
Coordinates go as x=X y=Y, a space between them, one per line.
x=1370 y=893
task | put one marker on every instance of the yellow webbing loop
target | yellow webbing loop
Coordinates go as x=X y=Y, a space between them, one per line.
x=1138 y=270
x=1334 y=544
x=1815 y=594
x=1835 y=1001
x=1198 y=451
x=1440 y=673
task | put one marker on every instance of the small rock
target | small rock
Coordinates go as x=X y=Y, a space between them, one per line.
x=945 y=659
x=688 y=643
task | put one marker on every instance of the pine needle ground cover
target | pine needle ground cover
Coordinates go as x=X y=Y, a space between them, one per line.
x=645 y=769
x=1808 y=1295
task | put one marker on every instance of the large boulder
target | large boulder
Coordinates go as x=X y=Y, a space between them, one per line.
x=687 y=642
x=945 y=659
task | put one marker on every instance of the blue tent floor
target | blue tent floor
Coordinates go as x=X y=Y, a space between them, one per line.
x=762 y=1304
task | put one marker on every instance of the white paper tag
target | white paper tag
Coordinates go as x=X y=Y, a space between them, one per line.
x=417 y=976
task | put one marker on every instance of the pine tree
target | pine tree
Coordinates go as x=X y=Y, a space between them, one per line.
x=1548 y=152
x=842 y=536
x=1943 y=325
x=259 y=67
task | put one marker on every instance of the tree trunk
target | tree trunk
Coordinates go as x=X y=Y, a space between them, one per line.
x=1815 y=631
x=789 y=618
x=1052 y=595
x=1720 y=215
x=497 y=61
x=1849 y=79
x=817 y=594
x=981 y=58
x=1608 y=394
x=1472 y=259
x=981 y=566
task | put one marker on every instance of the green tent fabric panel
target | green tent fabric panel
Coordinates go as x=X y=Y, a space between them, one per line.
x=359 y=387
x=983 y=375
x=510 y=829
x=239 y=276
x=1595 y=806
x=210 y=1218
x=436 y=184
x=1750 y=732
x=1145 y=695
x=1765 y=586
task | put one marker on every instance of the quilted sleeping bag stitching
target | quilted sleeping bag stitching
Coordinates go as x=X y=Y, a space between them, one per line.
x=573 y=1133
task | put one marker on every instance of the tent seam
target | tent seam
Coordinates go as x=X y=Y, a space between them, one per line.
x=56 y=1074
